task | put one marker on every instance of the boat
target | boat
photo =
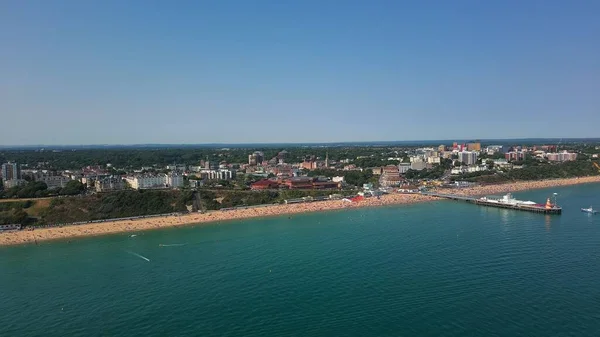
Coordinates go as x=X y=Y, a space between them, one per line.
x=589 y=210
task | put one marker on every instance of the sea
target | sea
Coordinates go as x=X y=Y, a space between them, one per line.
x=442 y=268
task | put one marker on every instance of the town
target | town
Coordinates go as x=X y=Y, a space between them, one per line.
x=60 y=186
x=384 y=167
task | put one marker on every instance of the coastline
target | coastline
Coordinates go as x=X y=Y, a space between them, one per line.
x=128 y=226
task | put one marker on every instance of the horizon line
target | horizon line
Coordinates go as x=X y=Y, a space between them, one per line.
x=303 y=143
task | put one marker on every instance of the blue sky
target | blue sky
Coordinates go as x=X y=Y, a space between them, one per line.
x=123 y=72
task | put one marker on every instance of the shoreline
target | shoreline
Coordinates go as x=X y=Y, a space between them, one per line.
x=129 y=226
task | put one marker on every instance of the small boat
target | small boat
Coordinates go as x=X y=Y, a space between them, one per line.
x=589 y=210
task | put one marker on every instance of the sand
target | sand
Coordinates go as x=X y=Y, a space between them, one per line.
x=133 y=226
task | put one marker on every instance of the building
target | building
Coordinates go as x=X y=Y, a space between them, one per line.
x=11 y=171
x=442 y=148
x=256 y=158
x=90 y=179
x=177 y=167
x=264 y=184
x=217 y=174
x=433 y=160
x=446 y=154
x=502 y=163
x=283 y=170
x=173 y=180
x=148 y=181
x=468 y=169
x=476 y=146
x=297 y=183
x=377 y=171
x=309 y=165
x=515 y=156
x=111 y=183
x=403 y=167
x=211 y=165
x=561 y=156
x=14 y=183
x=418 y=165
x=281 y=156
x=467 y=157
x=321 y=183
x=390 y=176
x=195 y=183
x=51 y=179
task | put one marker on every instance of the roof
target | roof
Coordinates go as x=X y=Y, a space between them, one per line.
x=264 y=182
x=301 y=179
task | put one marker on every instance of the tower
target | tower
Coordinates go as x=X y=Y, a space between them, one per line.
x=327 y=159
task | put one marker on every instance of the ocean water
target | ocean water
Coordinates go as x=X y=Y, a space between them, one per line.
x=434 y=269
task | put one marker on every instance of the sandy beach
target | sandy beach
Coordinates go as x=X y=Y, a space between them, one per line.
x=132 y=226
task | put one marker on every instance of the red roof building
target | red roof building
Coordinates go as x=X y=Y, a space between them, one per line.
x=264 y=184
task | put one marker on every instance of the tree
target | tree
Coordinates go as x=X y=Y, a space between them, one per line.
x=73 y=187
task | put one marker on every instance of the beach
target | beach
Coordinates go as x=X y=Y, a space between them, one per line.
x=136 y=225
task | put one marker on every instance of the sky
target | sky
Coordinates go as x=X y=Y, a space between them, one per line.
x=174 y=72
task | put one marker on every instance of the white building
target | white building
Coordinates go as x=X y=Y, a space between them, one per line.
x=109 y=184
x=467 y=157
x=403 y=167
x=417 y=158
x=433 y=160
x=177 y=167
x=468 y=169
x=173 y=180
x=14 y=182
x=562 y=156
x=418 y=165
x=140 y=182
x=502 y=163
x=217 y=174
x=148 y=181
x=337 y=179
x=52 y=181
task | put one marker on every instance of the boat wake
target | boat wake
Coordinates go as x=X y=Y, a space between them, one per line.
x=138 y=255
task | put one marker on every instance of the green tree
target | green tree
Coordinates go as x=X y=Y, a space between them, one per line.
x=73 y=187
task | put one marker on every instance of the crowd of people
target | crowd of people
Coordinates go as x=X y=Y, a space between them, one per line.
x=139 y=224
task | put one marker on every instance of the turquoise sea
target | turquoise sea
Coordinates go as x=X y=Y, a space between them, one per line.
x=434 y=269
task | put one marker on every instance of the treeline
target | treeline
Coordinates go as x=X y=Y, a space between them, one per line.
x=112 y=205
x=148 y=202
x=14 y=212
x=250 y=198
x=38 y=189
x=138 y=157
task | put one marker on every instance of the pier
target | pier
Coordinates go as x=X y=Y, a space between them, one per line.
x=538 y=208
